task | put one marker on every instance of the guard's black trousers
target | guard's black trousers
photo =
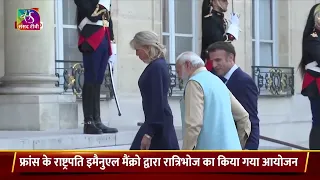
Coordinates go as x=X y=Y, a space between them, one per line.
x=95 y=65
x=314 y=139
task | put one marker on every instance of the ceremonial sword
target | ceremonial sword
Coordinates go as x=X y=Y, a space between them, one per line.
x=113 y=88
x=112 y=81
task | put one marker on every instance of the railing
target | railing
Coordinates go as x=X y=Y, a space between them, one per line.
x=176 y=84
x=274 y=81
x=283 y=143
x=271 y=81
x=70 y=74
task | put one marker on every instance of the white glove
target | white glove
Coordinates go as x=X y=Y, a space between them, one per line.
x=235 y=19
x=234 y=28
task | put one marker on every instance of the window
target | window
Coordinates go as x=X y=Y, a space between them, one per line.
x=179 y=27
x=66 y=34
x=264 y=40
x=66 y=31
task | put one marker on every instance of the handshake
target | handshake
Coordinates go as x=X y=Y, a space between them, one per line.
x=234 y=25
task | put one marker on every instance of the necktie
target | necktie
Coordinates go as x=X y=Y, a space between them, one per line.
x=224 y=80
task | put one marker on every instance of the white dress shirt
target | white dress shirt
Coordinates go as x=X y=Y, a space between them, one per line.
x=230 y=72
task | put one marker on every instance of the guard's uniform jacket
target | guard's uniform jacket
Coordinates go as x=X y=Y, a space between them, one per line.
x=214 y=27
x=94 y=24
x=213 y=30
x=311 y=54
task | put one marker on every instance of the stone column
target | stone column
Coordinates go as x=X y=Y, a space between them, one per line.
x=29 y=99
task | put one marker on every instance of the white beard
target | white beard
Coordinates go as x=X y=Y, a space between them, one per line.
x=185 y=81
x=184 y=77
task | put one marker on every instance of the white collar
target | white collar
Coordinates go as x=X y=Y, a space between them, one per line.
x=230 y=72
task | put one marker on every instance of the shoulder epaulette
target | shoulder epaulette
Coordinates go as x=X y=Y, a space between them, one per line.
x=97 y=12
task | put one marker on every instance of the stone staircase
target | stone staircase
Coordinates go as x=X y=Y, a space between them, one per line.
x=74 y=139
x=64 y=139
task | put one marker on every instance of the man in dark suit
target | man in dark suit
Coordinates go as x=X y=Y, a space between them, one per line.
x=222 y=54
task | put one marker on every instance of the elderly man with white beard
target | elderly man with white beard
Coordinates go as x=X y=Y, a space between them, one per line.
x=209 y=112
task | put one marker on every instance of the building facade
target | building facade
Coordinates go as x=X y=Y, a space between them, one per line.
x=269 y=48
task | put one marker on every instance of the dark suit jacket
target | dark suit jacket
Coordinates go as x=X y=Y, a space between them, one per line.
x=245 y=90
x=154 y=88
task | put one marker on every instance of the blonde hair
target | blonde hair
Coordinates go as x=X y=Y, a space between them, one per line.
x=150 y=40
x=317 y=17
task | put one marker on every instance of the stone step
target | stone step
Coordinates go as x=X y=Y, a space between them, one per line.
x=122 y=147
x=75 y=139
x=66 y=139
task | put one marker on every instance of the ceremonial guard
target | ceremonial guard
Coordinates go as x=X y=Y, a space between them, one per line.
x=95 y=44
x=310 y=70
x=215 y=27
